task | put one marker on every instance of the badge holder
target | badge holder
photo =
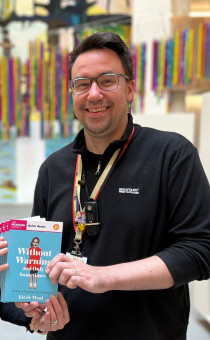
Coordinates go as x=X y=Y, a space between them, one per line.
x=91 y=216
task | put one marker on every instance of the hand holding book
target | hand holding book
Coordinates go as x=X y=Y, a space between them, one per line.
x=3 y=251
x=56 y=316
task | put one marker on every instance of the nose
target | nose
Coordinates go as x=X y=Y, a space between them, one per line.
x=94 y=92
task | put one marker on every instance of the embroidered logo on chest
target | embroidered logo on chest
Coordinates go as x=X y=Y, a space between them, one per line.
x=133 y=191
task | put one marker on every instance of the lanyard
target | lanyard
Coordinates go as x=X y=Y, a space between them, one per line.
x=79 y=220
x=96 y=190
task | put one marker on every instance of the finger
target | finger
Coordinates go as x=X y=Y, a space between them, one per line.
x=57 y=270
x=23 y=305
x=3 y=244
x=51 y=310
x=32 y=324
x=58 y=258
x=44 y=321
x=4 y=267
x=39 y=310
x=58 y=308
x=47 y=322
x=34 y=313
x=64 y=307
x=56 y=317
x=59 y=313
x=3 y=251
x=74 y=282
x=32 y=309
x=68 y=275
x=38 y=324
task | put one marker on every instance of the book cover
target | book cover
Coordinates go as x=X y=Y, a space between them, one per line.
x=32 y=244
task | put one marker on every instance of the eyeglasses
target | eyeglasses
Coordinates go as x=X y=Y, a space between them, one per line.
x=106 y=82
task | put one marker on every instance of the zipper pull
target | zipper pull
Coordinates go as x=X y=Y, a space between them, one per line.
x=98 y=168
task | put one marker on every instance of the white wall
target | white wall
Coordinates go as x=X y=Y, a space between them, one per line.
x=182 y=123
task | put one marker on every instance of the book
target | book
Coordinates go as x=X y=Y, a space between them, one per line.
x=32 y=244
x=3 y=258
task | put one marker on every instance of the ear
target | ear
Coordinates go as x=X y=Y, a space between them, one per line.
x=130 y=90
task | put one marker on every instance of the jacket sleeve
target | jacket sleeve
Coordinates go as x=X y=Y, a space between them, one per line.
x=187 y=255
x=9 y=312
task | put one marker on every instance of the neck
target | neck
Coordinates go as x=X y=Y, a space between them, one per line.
x=98 y=144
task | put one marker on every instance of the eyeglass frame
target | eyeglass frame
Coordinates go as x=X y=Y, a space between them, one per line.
x=95 y=79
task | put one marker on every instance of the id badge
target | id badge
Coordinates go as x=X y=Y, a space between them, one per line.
x=82 y=259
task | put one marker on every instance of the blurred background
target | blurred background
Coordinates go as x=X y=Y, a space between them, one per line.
x=169 y=41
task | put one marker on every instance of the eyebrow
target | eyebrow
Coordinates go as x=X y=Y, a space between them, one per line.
x=101 y=74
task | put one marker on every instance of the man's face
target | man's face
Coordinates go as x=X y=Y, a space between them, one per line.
x=102 y=113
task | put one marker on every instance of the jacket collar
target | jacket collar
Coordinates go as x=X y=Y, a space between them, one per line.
x=79 y=145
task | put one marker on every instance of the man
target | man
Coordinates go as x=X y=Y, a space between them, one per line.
x=143 y=229
x=56 y=309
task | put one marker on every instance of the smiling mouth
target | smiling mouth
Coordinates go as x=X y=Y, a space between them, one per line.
x=97 y=110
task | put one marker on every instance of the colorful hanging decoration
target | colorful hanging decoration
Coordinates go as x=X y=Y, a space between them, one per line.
x=183 y=57
x=47 y=81
x=38 y=86
x=173 y=61
x=189 y=39
x=159 y=66
x=138 y=54
x=203 y=54
x=41 y=85
x=58 y=89
x=10 y=97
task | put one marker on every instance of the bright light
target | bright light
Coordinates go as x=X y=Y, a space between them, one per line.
x=199 y=14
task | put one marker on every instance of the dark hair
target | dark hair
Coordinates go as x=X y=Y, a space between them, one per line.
x=104 y=40
x=35 y=239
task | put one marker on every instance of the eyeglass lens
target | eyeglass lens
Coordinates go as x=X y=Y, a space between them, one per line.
x=106 y=82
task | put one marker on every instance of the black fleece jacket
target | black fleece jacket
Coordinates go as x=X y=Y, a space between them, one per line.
x=10 y=313
x=155 y=202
